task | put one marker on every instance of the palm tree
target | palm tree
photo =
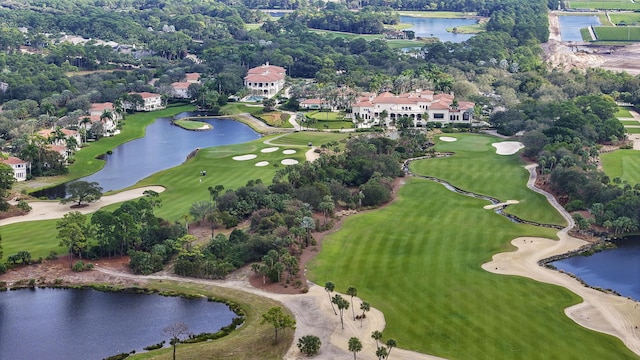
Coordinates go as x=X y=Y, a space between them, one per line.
x=342 y=305
x=352 y=291
x=365 y=307
x=329 y=287
x=391 y=343
x=376 y=335
x=382 y=353
x=355 y=346
x=72 y=145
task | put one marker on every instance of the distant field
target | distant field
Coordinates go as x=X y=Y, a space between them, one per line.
x=626 y=18
x=604 y=5
x=469 y=29
x=586 y=35
x=623 y=33
x=624 y=164
x=623 y=113
x=346 y=35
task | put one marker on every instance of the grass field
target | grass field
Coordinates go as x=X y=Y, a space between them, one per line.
x=630 y=122
x=346 y=35
x=620 y=33
x=484 y=173
x=586 y=35
x=631 y=130
x=623 y=112
x=326 y=115
x=469 y=29
x=276 y=119
x=418 y=260
x=604 y=5
x=624 y=164
x=625 y=18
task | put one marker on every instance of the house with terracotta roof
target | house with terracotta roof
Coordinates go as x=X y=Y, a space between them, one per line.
x=192 y=78
x=50 y=134
x=265 y=80
x=420 y=106
x=97 y=113
x=180 y=89
x=151 y=102
x=19 y=166
x=314 y=104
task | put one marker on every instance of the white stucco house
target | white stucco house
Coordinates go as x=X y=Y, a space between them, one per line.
x=19 y=166
x=265 y=80
x=420 y=106
x=151 y=101
x=50 y=133
x=180 y=89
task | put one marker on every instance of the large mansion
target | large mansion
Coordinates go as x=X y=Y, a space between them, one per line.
x=19 y=167
x=420 y=106
x=265 y=80
x=151 y=102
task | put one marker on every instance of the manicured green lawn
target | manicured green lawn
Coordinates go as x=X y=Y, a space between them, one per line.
x=623 y=112
x=476 y=167
x=192 y=125
x=437 y=14
x=604 y=5
x=624 y=164
x=630 y=122
x=631 y=130
x=626 y=18
x=237 y=108
x=37 y=237
x=618 y=33
x=326 y=115
x=321 y=124
x=418 y=260
x=400 y=44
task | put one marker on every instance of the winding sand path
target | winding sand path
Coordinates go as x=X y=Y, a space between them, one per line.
x=607 y=313
x=46 y=210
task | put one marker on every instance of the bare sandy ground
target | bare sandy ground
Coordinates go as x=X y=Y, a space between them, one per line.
x=45 y=210
x=507 y=147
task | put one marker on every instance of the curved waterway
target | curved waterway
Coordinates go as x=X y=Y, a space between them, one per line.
x=164 y=146
x=498 y=210
x=70 y=324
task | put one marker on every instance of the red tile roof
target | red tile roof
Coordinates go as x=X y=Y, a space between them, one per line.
x=267 y=68
x=146 y=95
x=101 y=106
x=12 y=160
x=192 y=76
x=180 y=85
x=312 y=102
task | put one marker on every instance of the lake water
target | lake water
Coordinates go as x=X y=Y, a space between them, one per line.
x=87 y=324
x=163 y=146
x=436 y=27
x=570 y=26
x=617 y=269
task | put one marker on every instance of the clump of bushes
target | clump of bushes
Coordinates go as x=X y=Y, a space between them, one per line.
x=155 y=346
x=80 y=266
x=24 y=206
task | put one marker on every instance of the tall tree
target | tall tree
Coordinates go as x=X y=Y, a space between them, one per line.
x=355 y=346
x=175 y=332
x=6 y=181
x=365 y=307
x=391 y=343
x=352 y=291
x=342 y=305
x=73 y=233
x=382 y=353
x=329 y=287
x=376 y=335
x=279 y=320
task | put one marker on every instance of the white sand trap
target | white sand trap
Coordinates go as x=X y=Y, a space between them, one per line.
x=447 y=138
x=262 y=163
x=289 y=162
x=269 y=150
x=508 y=202
x=244 y=157
x=289 y=152
x=507 y=147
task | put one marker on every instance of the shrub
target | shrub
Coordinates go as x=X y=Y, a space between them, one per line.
x=3 y=269
x=52 y=255
x=78 y=266
x=23 y=205
x=309 y=344
x=156 y=346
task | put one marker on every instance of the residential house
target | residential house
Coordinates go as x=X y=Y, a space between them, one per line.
x=50 y=134
x=420 y=106
x=180 y=90
x=151 y=102
x=265 y=80
x=314 y=104
x=97 y=112
x=20 y=167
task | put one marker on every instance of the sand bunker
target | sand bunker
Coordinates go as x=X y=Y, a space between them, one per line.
x=244 y=157
x=508 y=202
x=289 y=162
x=262 y=163
x=289 y=152
x=507 y=147
x=269 y=150
x=447 y=138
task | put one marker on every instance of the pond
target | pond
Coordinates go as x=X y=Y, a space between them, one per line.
x=615 y=269
x=437 y=27
x=87 y=324
x=163 y=146
x=570 y=26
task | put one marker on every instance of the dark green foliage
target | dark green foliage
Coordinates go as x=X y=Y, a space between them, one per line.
x=118 y=357
x=309 y=345
x=144 y=263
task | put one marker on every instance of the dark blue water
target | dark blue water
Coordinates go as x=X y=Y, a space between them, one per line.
x=163 y=146
x=434 y=27
x=86 y=324
x=616 y=269
x=570 y=26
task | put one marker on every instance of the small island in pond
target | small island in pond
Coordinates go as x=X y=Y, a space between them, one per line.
x=193 y=125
